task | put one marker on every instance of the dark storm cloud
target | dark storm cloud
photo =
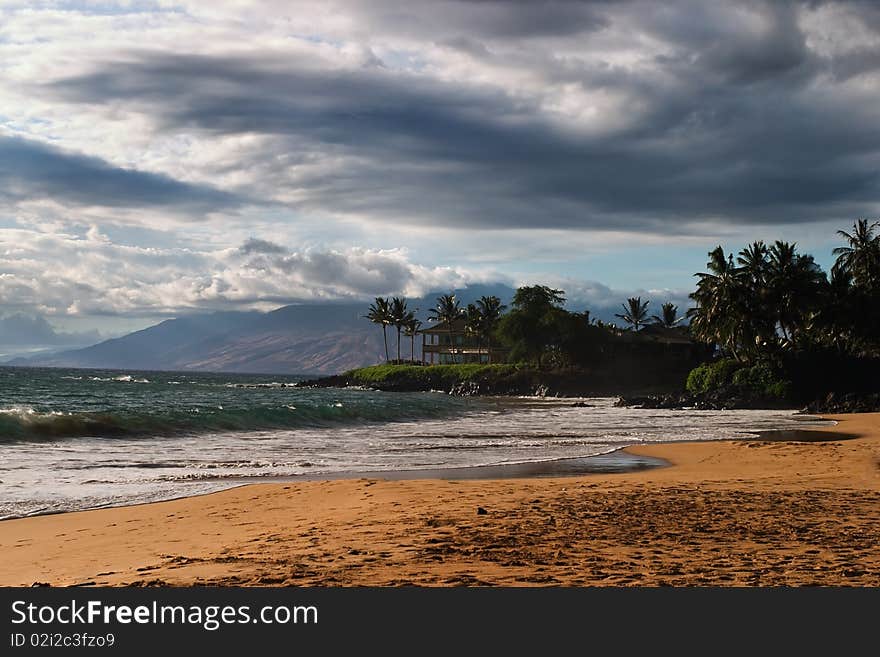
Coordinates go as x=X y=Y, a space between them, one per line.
x=737 y=120
x=739 y=47
x=503 y=19
x=360 y=272
x=33 y=170
x=263 y=247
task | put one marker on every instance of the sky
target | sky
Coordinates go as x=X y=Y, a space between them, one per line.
x=166 y=157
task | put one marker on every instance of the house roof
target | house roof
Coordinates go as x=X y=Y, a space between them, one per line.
x=658 y=333
x=458 y=326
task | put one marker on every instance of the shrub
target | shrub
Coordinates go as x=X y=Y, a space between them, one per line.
x=780 y=390
x=711 y=376
x=696 y=381
x=758 y=376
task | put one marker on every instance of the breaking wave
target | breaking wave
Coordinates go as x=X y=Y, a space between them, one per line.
x=23 y=423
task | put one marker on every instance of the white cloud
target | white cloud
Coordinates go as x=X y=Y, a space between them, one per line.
x=69 y=274
x=480 y=134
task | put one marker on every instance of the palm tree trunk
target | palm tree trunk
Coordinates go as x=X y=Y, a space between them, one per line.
x=398 y=345
x=452 y=345
x=412 y=348
x=385 y=337
x=489 y=349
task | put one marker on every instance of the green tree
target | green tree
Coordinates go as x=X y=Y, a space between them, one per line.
x=859 y=263
x=473 y=326
x=447 y=311
x=532 y=327
x=411 y=328
x=668 y=317
x=491 y=309
x=635 y=312
x=754 y=265
x=861 y=256
x=380 y=313
x=744 y=309
x=834 y=321
x=720 y=315
x=398 y=316
x=794 y=287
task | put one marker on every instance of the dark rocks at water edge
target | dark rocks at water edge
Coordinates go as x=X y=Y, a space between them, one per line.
x=721 y=400
x=845 y=403
x=516 y=387
x=717 y=401
x=333 y=381
x=512 y=382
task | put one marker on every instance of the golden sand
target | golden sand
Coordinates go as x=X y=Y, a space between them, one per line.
x=724 y=513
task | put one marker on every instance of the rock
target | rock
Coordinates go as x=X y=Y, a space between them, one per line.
x=844 y=403
x=481 y=511
x=466 y=389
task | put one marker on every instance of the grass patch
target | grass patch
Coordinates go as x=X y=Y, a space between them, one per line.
x=427 y=376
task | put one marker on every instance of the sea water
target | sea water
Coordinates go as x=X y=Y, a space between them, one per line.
x=80 y=439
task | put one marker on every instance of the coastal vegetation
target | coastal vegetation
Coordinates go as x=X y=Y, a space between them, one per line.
x=774 y=299
x=433 y=377
x=394 y=312
x=763 y=321
x=635 y=313
x=776 y=319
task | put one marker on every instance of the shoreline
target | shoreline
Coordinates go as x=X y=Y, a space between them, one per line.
x=617 y=461
x=723 y=512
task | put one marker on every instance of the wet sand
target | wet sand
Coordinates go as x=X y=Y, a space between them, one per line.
x=769 y=511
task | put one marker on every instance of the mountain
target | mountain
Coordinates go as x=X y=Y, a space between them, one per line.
x=319 y=338
x=22 y=334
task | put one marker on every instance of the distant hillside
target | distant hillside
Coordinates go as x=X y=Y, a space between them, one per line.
x=316 y=338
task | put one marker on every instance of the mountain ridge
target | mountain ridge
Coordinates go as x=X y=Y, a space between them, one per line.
x=308 y=338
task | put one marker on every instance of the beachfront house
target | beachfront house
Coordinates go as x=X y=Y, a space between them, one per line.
x=661 y=344
x=443 y=344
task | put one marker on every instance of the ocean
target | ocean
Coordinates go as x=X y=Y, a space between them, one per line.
x=81 y=439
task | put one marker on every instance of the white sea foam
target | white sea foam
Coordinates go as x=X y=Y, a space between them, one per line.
x=42 y=477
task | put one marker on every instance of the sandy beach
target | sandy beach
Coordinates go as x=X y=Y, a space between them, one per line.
x=734 y=513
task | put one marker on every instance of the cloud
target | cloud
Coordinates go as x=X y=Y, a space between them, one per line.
x=28 y=331
x=254 y=246
x=604 y=301
x=70 y=275
x=693 y=114
x=480 y=131
x=33 y=170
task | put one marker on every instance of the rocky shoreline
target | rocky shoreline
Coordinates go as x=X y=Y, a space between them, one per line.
x=845 y=403
x=530 y=382
x=518 y=383
x=831 y=403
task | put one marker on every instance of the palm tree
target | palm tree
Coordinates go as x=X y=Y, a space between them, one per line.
x=447 y=311
x=490 y=309
x=635 y=312
x=473 y=325
x=668 y=317
x=835 y=320
x=398 y=313
x=720 y=316
x=380 y=313
x=794 y=284
x=861 y=257
x=753 y=264
x=411 y=328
